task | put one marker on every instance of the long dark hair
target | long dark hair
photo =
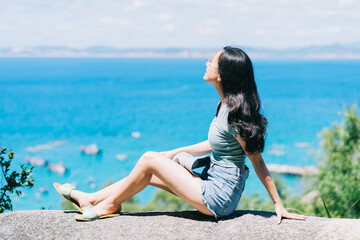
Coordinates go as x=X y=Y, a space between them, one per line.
x=241 y=96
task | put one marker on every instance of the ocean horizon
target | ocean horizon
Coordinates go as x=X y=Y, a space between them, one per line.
x=49 y=107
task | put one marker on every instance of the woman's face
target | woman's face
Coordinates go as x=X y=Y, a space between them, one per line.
x=211 y=75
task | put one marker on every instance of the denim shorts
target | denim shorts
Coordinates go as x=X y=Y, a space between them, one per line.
x=222 y=187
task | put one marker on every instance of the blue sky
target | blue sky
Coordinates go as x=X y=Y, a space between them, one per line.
x=181 y=23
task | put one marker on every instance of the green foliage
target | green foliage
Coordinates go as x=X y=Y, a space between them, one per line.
x=339 y=170
x=67 y=205
x=254 y=202
x=13 y=179
x=327 y=210
x=165 y=201
x=338 y=179
x=292 y=202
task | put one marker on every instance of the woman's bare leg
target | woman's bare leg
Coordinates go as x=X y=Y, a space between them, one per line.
x=156 y=182
x=100 y=195
x=176 y=178
x=85 y=199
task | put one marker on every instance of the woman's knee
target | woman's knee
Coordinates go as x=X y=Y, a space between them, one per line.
x=148 y=158
x=149 y=155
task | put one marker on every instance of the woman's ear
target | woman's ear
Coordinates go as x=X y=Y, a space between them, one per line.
x=218 y=79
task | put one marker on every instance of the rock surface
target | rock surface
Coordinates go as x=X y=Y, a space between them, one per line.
x=57 y=224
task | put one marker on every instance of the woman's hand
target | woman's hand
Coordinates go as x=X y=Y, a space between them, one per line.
x=282 y=212
x=169 y=154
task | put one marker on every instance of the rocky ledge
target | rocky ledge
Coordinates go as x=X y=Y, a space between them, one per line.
x=56 y=224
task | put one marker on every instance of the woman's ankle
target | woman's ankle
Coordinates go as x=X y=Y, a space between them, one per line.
x=74 y=194
x=93 y=199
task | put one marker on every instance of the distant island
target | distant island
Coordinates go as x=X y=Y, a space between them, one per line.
x=335 y=51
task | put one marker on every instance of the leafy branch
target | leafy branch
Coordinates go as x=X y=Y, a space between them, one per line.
x=13 y=179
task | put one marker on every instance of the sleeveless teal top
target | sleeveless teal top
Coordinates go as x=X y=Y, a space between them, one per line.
x=226 y=150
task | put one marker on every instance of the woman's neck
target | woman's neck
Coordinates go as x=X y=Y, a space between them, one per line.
x=220 y=92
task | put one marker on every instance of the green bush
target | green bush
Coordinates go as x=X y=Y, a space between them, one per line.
x=338 y=180
x=13 y=180
x=165 y=201
x=339 y=170
x=256 y=203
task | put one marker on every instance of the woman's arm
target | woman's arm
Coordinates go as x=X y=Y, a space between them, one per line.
x=263 y=173
x=196 y=149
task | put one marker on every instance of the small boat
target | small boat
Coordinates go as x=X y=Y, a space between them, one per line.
x=136 y=134
x=58 y=168
x=121 y=157
x=43 y=190
x=48 y=146
x=90 y=180
x=58 y=142
x=37 y=161
x=92 y=149
x=40 y=147
x=38 y=195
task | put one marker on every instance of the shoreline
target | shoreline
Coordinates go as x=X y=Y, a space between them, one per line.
x=256 y=56
x=330 y=52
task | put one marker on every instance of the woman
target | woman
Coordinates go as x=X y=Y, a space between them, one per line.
x=238 y=129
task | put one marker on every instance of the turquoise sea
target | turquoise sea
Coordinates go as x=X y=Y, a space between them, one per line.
x=104 y=101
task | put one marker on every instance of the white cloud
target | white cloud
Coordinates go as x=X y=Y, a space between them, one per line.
x=201 y=23
x=208 y=26
x=169 y=27
x=76 y=5
x=259 y=31
x=236 y=6
x=213 y=22
x=312 y=32
x=19 y=7
x=64 y=27
x=164 y=17
x=25 y=21
x=167 y=19
x=346 y=2
x=205 y=30
x=113 y=21
x=316 y=11
x=136 y=4
x=332 y=30
x=4 y=27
